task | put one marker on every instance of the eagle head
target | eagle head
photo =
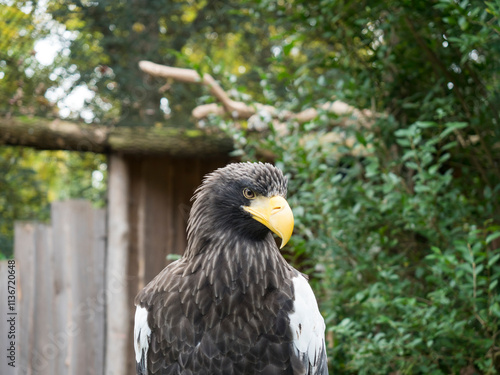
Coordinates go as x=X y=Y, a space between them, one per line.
x=241 y=200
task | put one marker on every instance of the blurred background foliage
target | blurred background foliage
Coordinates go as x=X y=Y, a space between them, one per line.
x=402 y=241
x=30 y=180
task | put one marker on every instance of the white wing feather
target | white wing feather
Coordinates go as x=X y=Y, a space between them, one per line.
x=308 y=327
x=142 y=332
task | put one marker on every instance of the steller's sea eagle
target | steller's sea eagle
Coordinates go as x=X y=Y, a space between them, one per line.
x=232 y=304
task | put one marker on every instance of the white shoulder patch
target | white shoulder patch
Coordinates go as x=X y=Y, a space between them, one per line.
x=142 y=332
x=308 y=327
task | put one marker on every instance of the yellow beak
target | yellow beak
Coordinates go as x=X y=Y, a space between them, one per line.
x=274 y=213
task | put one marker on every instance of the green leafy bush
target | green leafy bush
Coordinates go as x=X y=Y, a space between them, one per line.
x=404 y=255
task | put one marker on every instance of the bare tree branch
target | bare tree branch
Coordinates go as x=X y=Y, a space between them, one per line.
x=240 y=110
x=192 y=76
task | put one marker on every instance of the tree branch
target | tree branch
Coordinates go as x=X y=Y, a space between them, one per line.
x=192 y=76
x=240 y=110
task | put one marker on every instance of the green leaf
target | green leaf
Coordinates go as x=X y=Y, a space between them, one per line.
x=401 y=133
x=479 y=269
x=412 y=165
x=361 y=139
x=493 y=260
x=490 y=238
x=288 y=47
x=493 y=284
x=451 y=127
x=426 y=124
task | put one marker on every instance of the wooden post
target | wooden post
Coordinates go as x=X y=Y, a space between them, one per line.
x=118 y=309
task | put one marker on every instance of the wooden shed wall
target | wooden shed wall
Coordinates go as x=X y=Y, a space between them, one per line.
x=160 y=191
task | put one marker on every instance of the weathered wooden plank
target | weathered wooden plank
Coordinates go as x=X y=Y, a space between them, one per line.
x=72 y=227
x=63 y=330
x=118 y=311
x=24 y=252
x=98 y=292
x=141 y=225
x=159 y=231
x=178 y=191
x=169 y=236
x=44 y=351
x=5 y=326
x=78 y=235
x=79 y=216
x=135 y=269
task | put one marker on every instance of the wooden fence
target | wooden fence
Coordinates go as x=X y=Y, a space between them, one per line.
x=61 y=293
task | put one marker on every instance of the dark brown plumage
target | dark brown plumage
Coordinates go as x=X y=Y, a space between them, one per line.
x=228 y=306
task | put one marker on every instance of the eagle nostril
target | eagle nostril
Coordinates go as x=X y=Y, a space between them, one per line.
x=276 y=209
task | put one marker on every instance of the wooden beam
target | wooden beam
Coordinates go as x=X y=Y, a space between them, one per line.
x=169 y=141
x=65 y=135
x=52 y=134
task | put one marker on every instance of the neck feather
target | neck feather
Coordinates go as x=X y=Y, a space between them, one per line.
x=235 y=262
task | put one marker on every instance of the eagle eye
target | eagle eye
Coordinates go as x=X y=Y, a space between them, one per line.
x=249 y=194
